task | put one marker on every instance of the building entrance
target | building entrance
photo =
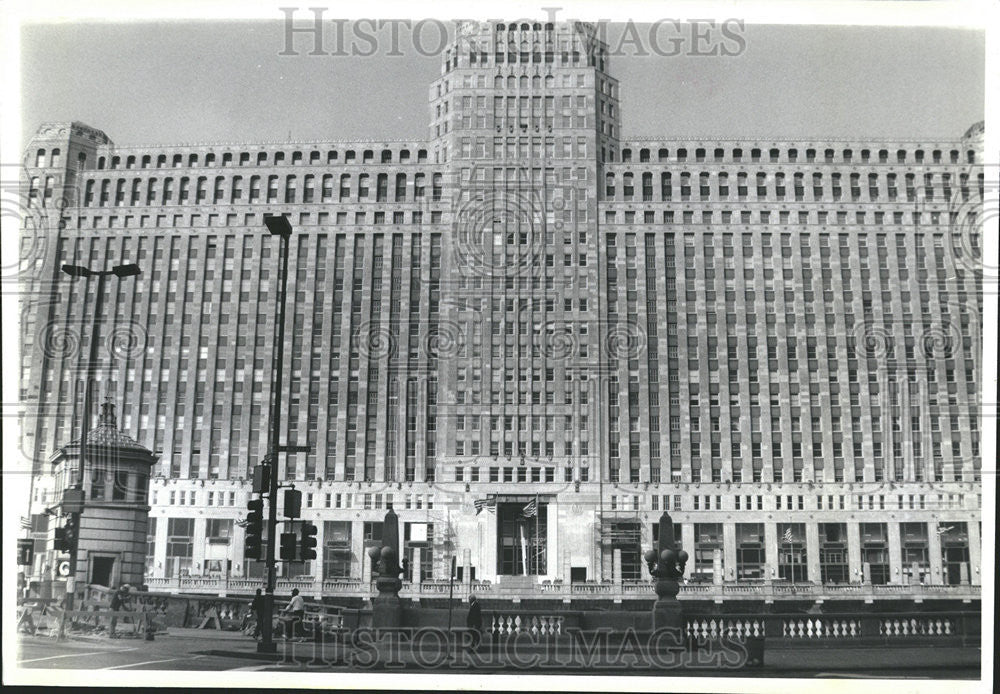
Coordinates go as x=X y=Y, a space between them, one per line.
x=521 y=537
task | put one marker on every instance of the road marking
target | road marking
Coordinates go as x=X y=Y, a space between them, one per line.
x=250 y=668
x=74 y=655
x=152 y=662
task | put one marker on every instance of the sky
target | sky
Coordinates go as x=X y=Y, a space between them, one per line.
x=199 y=82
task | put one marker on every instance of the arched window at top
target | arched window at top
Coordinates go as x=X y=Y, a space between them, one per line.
x=40 y=158
x=56 y=157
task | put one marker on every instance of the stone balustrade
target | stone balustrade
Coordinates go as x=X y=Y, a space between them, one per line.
x=639 y=590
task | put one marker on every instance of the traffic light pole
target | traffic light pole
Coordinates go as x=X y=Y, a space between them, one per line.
x=280 y=227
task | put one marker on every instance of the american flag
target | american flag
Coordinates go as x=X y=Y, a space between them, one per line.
x=25 y=523
x=788 y=537
x=530 y=509
x=489 y=504
x=944 y=529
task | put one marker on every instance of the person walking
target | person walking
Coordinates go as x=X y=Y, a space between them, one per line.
x=297 y=608
x=257 y=609
x=474 y=622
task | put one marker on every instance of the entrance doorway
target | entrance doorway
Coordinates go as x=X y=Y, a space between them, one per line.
x=521 y=539
x=101 y=570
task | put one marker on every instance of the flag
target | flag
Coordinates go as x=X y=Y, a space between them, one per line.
x=787 y=537
x=489 y=504
x=530 y=509
x=943 y=529
x=25 y=523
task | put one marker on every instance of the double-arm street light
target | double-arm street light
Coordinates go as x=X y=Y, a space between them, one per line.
x=73 y=498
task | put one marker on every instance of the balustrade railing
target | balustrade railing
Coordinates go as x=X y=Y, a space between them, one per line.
x=355 y=587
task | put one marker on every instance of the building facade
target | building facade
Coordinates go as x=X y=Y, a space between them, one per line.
x=777 y=341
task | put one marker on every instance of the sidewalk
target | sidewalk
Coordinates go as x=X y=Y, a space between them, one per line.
x=897 y=661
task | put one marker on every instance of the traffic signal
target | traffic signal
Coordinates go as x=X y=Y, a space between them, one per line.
x=61 y=543
x=307 y=550
x=288 y=542
x=262 y=478
x=26 y=551
x=293 y=503
x=254 y=530
x=71 y=530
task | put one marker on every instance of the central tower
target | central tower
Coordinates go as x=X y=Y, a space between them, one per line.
x=523 y=116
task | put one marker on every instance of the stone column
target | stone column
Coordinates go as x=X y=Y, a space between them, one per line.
x=236 y=550
x=415 y=567
x=895 y=553
x=975 y=553
x=489 y=546
x=729 y=550
x=770 y=550
x=617 y=567
x=934 y=552
x=467 y=566
x=687 y=543
x=359 y=567
x=552 y=541
x=812 y=553
x=854 y=551
x=198 y=550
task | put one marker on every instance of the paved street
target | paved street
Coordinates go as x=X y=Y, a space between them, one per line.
x=208 y=650
x=175 y=651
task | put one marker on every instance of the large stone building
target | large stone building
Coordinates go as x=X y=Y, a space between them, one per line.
x=777 y=341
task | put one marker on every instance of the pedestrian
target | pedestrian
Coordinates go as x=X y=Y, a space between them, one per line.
x=297 y=608
x=257 y=609
x=118 y=603
x=474 y=622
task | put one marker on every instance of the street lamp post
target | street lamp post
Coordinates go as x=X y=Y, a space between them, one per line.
x=73 y=503
x=277 y=226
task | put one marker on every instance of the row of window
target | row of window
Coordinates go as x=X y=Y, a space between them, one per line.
x=773 y=187
x=792 y=155
x=259 y=189
x=250 y=220
x=787 y=217
x=256 y=158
